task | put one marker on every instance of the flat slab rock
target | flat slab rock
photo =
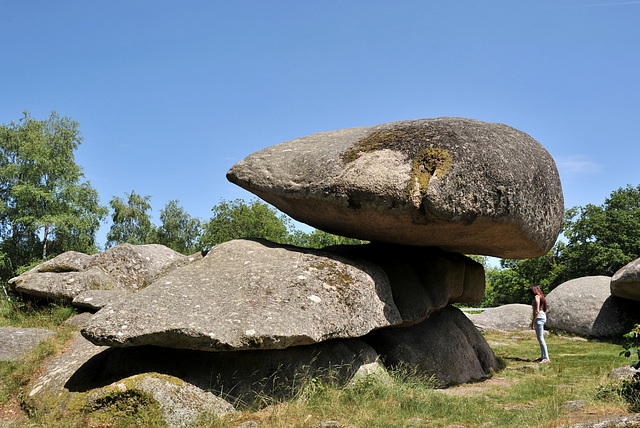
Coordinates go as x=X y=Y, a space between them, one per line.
x=512 y=317
x=16 y=342
x=251 y=294
x=94 y=300
x=626 y=282
x=462 y=185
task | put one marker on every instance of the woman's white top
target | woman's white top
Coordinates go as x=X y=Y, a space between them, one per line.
x=541 y=314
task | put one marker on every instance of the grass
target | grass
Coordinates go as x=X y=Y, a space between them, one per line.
x=26 y=314
x=522 y=394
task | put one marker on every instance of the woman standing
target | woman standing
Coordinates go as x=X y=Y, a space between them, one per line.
x=538 y=320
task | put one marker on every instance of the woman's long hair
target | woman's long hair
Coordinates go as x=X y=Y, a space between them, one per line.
x=535 y=290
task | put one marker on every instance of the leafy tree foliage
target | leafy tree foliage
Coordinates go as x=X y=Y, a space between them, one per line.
x=131 y=220
x=602 y=239
x=239 y=219
x=320 y=239
x=178 y=231
x=45 y=206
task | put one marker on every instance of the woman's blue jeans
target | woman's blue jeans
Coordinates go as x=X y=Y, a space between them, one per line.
x=539 y=326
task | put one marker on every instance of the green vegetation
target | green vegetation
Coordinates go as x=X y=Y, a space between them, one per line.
x=26 y=314
x=45 y=207
x=632 y=346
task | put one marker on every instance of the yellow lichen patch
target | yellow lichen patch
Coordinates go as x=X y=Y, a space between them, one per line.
x=333 y=275
x=423 y=145
x=404 y=140
x=429 y=162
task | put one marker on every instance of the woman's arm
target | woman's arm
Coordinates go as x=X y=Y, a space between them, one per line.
x=536 y=309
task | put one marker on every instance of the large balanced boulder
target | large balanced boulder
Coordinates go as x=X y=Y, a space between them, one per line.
x=626 y=282
x=124 y=267
x=459 y=184
x=446 y=346
x=251 y=294
x=584 y=306
x=423 y=279
x=511 y=317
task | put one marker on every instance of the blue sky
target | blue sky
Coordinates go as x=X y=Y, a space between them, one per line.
x=170 y=94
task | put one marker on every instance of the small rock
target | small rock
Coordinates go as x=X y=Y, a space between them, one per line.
x=574 y=405
x=623 y=373
x=16 y=342
x=79 y=320
x=248 y=424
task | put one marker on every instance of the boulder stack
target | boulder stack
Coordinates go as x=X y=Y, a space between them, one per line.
x=253 y=314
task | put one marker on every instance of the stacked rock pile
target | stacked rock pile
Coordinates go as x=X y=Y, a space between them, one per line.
x=253 y=317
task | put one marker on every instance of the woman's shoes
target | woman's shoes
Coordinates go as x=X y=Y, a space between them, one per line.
x=537 y=360
x=546 y=360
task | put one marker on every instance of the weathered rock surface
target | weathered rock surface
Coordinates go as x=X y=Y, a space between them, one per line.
x=465 y=186
x=59 y=390
x=71 y=261
x=422 y=279
x=512 y=317
x=626 y=282
x=93 y=300
x=584 y=306
x=250 y=294
x=446 y=345
x=180 y=403
x=79 y=320
x=86 y=372
x=62 y=285
x=15 y=342
x=123 y=267
x=136 y=266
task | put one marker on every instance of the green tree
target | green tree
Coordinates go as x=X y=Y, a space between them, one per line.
x=320 y=239
x=131 y=220
x=601 y=239
x=46 y=207
x=178 y=231
x=239 y=219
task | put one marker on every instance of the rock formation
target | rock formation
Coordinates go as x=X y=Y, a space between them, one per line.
x=254 y=318
x=250 y=294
